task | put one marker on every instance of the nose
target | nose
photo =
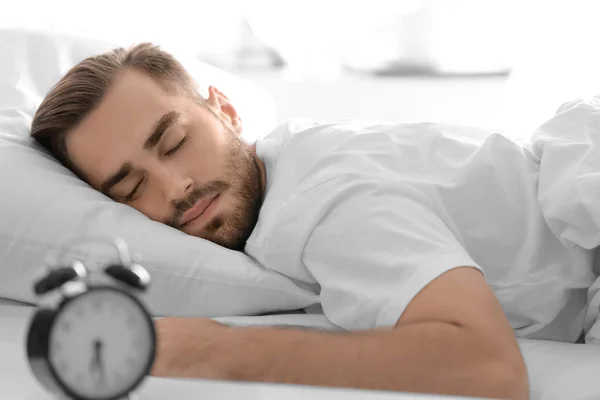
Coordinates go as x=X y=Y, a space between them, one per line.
x=174 y=185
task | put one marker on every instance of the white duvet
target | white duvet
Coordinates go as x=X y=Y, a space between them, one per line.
x=569 y=186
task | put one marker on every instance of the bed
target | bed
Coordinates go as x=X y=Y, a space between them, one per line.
x=557 y=371
x=190 y=278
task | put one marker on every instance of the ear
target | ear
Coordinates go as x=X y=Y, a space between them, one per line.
x=224 y=109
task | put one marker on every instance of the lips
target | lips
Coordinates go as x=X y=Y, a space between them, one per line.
x=196 y=210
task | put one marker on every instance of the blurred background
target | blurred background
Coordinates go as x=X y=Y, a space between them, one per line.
x=502 y=64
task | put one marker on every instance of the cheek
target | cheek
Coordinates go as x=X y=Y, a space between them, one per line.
x=229 y=202
x=152 y=203
x=205 y=159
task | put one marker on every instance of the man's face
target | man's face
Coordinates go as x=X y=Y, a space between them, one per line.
x=172 y=159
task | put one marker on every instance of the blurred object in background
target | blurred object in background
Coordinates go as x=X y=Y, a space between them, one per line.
x=252 y=53
x=321 y=38
x=300 y=48
x=314 y=38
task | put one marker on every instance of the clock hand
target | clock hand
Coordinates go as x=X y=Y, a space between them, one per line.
x=97 y=364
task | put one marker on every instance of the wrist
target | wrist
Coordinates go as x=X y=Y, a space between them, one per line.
x=209 y=357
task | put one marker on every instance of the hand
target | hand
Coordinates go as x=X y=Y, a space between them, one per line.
x=186 y=348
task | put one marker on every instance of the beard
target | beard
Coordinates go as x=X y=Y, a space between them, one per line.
x=242 y=178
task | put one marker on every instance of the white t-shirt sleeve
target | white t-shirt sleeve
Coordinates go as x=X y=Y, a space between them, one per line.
x=374 y=249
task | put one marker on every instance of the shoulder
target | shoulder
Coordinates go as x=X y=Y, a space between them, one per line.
x=299 y=136
x=297 y=151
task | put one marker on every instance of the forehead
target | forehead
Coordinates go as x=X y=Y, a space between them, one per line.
x=115 y=131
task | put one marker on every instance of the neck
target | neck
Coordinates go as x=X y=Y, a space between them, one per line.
x=261 y=168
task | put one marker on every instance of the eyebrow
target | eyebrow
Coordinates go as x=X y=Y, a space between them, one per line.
x=164 y=123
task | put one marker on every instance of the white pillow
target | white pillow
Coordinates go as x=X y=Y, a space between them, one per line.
x=44 y=207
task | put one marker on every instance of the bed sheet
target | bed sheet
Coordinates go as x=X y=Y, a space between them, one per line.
x=557 y=371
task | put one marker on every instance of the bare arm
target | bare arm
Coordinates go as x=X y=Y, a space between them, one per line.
x=453 y=338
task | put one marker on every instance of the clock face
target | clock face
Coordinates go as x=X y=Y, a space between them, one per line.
x=101 y=344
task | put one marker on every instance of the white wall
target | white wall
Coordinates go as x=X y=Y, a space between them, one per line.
x=472 y=101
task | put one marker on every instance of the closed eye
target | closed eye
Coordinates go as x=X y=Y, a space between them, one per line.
x=177 y=147
x=131 y=196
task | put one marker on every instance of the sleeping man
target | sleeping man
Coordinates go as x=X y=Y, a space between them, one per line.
x=432 y=251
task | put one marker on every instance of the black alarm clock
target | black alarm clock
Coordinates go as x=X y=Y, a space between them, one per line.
x=99 y=341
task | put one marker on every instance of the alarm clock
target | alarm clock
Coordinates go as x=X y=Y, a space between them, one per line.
x=99 y=341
